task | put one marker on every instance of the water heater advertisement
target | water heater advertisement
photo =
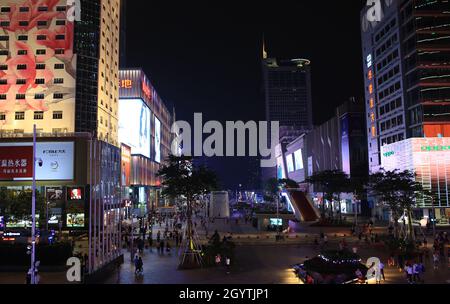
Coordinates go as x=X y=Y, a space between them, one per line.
x=134 y=126
x=55 y=161
x=157 y=140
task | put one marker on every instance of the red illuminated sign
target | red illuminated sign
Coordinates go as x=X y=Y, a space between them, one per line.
x=147 y=91
x=16 y=162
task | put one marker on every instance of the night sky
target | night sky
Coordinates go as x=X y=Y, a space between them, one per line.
x=205 y=56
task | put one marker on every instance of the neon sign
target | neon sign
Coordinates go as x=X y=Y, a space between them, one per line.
x=126 y=84
x=435 y=148
x=146 y=90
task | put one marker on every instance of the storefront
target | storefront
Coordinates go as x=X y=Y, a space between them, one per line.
x=429 y=158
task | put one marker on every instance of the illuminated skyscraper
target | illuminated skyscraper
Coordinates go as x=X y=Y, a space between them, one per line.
x=406 y=50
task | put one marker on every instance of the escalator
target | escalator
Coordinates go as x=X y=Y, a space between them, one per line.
x=304 y=209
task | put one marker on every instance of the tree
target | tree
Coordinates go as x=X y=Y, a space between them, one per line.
x=180 y=179
x=331 y=182
x=398 y=190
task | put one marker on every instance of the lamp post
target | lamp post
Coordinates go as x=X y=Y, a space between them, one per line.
x=33 y=213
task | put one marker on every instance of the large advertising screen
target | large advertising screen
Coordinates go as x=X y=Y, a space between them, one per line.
x=134 y=126
x=157 y=140
x=290 y=163
x=298 y=159
x=55 y=161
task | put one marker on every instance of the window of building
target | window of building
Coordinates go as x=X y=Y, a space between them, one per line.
x=39 y=115
x=40 y=66
x=20 y=96
x=2 y=96
x=39 y=81
x=42 y=8
x=59 y=66
x=60 y=22
x=58 y=81
x=41 y=37
x=22 y=38
x=19 y=116
x=39 y=96
x=60 y=8
x=3 y=67
x=23 y=23
x=60 y=37
x=59 y=51
x=5 y=9
x=2 y=116
x=58 y=95
x=57 y=115
x=21 y=66
x=21 y=81
x=4 y=52
x=41 y=52
x=24 y=9
x=4 y=23
x=22 y=52
x=4 y=38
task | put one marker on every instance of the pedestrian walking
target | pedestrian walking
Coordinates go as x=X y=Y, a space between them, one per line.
x=228 y=264
x=381 y=268
x=150 y=243
x=436 y=259
x=162 y=247
x=409 y=273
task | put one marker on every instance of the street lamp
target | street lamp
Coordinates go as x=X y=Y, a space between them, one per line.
x=33 y=212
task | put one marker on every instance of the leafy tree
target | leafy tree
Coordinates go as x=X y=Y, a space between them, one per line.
x=180 y=179
x=331 y=182
x=398 y=190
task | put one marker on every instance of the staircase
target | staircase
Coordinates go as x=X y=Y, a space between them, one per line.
x=304 y=208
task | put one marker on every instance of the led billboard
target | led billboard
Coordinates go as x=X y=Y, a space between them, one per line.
x=298 y=159
x=56 y=161
x=125 y=162
x=134 y=126
x=157 y=140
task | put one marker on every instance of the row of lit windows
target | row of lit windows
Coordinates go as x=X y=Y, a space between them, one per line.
x=21 y=81
x=39 y=66
x=38 y=96
x=37 y=115
x=25 y=9
x=24 y=23
x=39 y=37
x=39 y=52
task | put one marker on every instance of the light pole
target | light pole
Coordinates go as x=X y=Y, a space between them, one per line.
x=33 y=213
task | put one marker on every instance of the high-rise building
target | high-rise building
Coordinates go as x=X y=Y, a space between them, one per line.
x=59 y=71
x=287 y=94
x=406 y=51
x=287 y=87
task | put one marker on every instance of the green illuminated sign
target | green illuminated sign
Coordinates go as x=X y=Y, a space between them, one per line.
x=387 y=154
x=435 y=148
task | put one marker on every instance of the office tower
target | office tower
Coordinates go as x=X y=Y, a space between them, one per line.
x=287 y=91
x=406 y=50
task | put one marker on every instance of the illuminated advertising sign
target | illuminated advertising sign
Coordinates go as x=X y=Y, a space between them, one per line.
x=55 y=161
x=298 y=160
x=16 y=162
x=157 y=140
x=75 y=194
x=75 y=220
x=125 y=165
x=134 y=126
x=290 y=163
x=54 y=194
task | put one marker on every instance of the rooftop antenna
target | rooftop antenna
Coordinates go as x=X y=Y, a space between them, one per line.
x=264 y=53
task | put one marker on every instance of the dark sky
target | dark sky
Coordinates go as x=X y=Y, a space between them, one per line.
x=204 y=56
